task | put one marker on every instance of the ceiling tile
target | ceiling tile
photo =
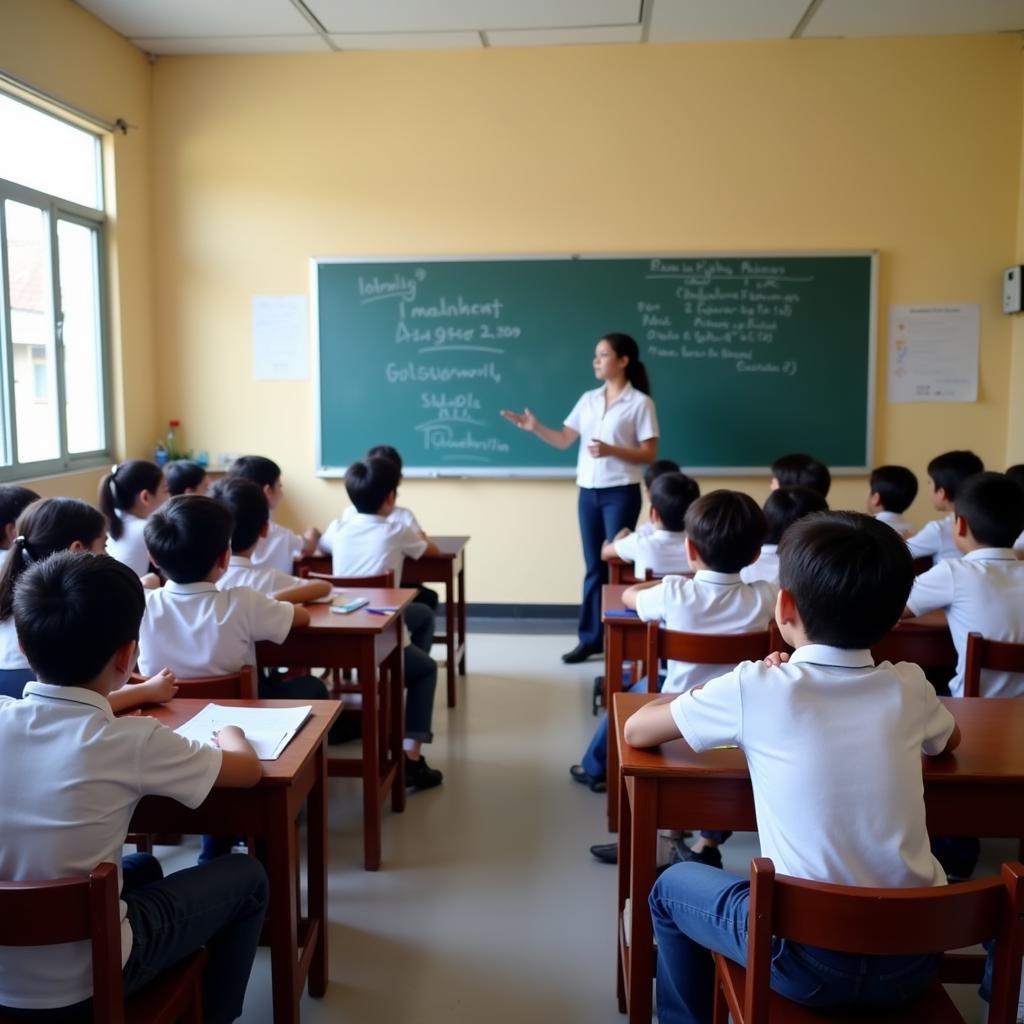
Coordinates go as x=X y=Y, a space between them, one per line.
x=184 y=18
x=915 y=17
x=567 y=36
x=407 y=40
x=169 y=46
x=691 y=20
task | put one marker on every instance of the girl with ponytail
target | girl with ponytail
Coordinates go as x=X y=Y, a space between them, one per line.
x=129 y=493
x=618 y=429
x=45 y=527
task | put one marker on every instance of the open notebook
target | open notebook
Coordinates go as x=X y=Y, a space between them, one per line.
x=269 y=730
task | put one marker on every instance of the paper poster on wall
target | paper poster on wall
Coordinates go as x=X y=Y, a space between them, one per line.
x=933 y=353
x=280 y=337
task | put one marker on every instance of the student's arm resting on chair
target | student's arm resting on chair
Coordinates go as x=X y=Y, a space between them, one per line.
x=240 y=768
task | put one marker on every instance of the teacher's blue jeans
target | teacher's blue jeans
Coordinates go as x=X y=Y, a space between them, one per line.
x=603 y=511
x=696 y=908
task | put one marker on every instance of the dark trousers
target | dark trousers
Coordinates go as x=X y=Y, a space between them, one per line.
x=603 y=511
x=13 y=680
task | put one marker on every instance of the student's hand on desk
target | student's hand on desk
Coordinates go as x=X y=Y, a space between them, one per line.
x=524 y=420
x=160 y=688
x=776 y=658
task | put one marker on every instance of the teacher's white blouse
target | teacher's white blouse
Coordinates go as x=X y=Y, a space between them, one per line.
x=627 y=422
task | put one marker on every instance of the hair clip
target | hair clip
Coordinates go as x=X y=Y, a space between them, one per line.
x=20 y=540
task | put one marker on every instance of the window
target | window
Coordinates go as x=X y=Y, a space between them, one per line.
x=53 y=346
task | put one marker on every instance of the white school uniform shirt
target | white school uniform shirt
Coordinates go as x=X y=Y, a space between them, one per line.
x=902 y=526
x=397 y=515
x=982 y=592
x=279 y=548
x=264 y=578
x=70 y=778
x=11 y=655
x=935 y=539
x=833 y=744
x=661 y=551
x=712 y=602
x=628 y=421
x=130 y=547
x=765 y=568
x=645 y=529
x=196 y=630
x=370 y=544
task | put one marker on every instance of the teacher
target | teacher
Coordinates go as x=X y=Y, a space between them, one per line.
x=619 y=431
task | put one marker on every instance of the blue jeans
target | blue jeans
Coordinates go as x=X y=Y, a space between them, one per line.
x=696 y=908
x=595 y=758
x=13 y=680
x=603 y=511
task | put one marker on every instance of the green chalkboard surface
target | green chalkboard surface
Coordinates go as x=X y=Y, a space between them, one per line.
x=749 y=357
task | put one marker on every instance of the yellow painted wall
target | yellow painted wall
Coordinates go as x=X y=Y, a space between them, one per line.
x=1015 y=427
x=910 y=146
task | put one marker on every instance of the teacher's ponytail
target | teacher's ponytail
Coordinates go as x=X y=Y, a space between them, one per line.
x=625 y=347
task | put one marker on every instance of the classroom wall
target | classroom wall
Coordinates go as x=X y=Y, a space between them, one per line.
x=1015 y=425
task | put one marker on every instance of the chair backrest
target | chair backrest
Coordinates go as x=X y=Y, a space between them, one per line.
x=381 y=579
x=650 y=574
x=72 y=910
x=306 y=564
x=891 y=922
x=929 y=648
x=240 y=685
x=705 y=648
x=994 y=654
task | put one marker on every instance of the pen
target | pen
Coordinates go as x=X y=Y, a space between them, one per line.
x=380 y=611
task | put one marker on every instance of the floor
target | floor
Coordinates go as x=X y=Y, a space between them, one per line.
x=488 y=906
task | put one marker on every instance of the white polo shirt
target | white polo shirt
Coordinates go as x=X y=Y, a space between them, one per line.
x=264 y=578
x=397 y=515
x=712 y=602
x=369 y=544
x=628 y=421
x=130 y=547
x=196 y=630
x=902 y=526
x=70 y=777
x=11 y=656
x=279 y=548
x=765 y=568
x=833 y=744
x=982 y=592
x=935 y=539
x=661 y=551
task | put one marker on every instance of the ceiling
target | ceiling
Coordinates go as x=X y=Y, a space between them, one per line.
x=320 y=26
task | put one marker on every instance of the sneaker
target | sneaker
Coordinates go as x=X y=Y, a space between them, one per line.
x=710 y=855
x=419 y=774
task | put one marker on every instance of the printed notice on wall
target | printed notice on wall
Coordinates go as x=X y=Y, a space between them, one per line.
x=933 y=353
x=280 y=338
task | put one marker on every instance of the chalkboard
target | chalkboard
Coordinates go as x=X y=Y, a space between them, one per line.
x=750 y=356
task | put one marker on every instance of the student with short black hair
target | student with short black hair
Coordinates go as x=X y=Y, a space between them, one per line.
x=1016 y=473
x=800 y=470
x=946 y=475
x=128 y=495
x=783 y=507
x=802 y=720
x=185 y=476
x=891 y=491
x=13 y=501
x=78 y=615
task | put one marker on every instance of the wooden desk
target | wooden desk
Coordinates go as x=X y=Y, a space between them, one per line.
x=978 y=791
x=297 y=779
x=621 y=572
x=449 y=568
x=372 y=645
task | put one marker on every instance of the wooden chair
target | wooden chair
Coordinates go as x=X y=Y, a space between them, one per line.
x=380 y=579
x=880 y=921
x=240 y=685
x=994 y=654
x=86 y=909
x=311 y=563
x=701 y=648
x=932 y=649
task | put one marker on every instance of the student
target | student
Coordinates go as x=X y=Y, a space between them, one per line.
x=651 y=473
x=78 y=616
x=891 y=491
x=129 y=494
x=799 y=470
x=802 y=722
x=184 y=476
x=663 y=549
x=724 y=530
x=782 y=508
x=371 y=543
x=946 y=473
x=281 y=546
x=251 y=515
x=13 y=501
x=46 y=526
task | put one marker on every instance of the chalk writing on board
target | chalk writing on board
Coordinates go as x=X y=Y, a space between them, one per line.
x=444 y=438
x=395 y=373
x=444 y=309
x=398 y=286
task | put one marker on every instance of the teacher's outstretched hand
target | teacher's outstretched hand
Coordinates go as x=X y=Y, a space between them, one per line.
x=619 y=430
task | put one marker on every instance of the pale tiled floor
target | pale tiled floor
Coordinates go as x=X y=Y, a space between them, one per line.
x=488 y=906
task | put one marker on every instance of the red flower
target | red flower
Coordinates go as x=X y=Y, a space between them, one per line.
x=175 y=424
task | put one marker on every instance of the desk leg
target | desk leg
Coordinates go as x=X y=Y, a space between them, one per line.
x=461 y=643
x=450 y=623
x=623 y=873
x=368 y=687
x=614 y=654
x=643 y=842
x=282 y=917
x=396 y=722
x=316 y=872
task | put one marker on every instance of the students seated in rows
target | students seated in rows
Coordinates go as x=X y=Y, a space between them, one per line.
x=371 y=543
x=662 y=549
x=185 y=476
x=891 y=491
x=250 y=513
x=13 y=501
x=783 y=507
x=802 y=723
x=281 y=546
x=983 y=591
x=800 y=470
x=946 y=474
x=651 y=473
x=724 y=530
x=129 y=494
x=45 y=527
x=70 y=779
